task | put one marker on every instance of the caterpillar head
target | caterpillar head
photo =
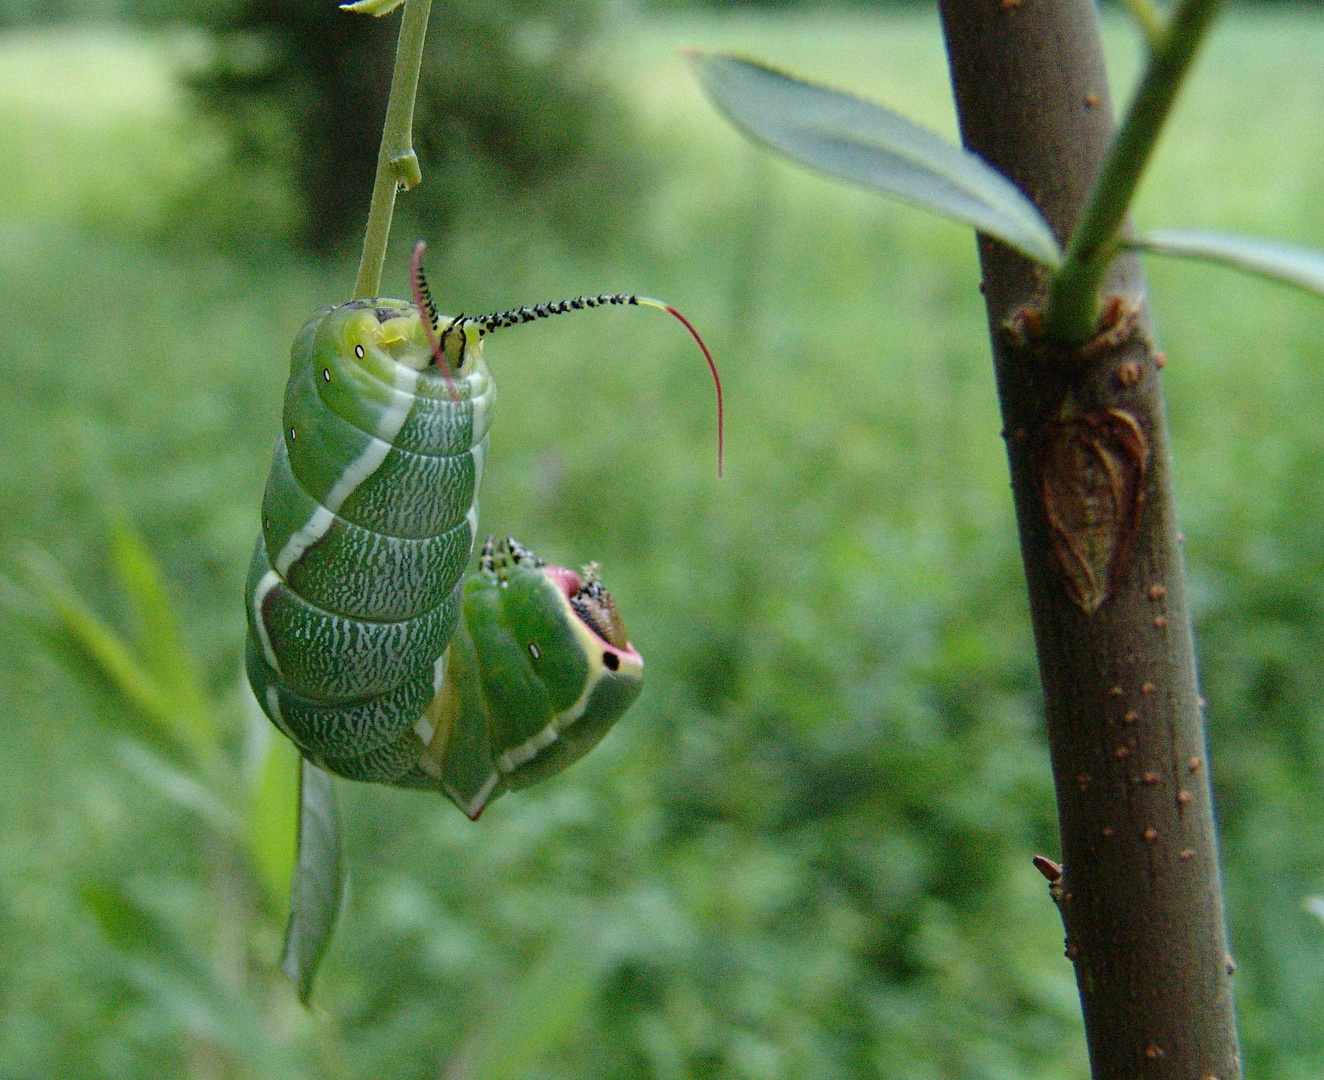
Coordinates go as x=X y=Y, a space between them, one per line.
x=539 y=672
x=579 y=601
x=390 y=329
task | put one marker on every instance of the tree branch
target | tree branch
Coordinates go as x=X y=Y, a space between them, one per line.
x=1087 y=446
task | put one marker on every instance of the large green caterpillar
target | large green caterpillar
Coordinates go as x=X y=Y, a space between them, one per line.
x=356 y=588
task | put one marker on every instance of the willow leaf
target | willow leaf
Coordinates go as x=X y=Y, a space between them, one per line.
x=274 y=819
x=373 y=7
x=319 y=880
x=857 y=140
x=1290 y=263
x=160 y=643
x=111 y=653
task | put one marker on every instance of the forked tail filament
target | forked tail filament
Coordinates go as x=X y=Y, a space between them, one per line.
x=498 y=320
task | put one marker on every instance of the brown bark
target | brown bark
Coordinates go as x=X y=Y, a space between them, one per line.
x=1088 y=450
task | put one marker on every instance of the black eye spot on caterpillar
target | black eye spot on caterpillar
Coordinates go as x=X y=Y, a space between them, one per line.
x=611 y=661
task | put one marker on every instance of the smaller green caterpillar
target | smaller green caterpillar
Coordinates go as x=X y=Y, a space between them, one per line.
x=540 y=669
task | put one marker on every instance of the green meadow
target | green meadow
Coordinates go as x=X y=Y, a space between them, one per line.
x=809 y=843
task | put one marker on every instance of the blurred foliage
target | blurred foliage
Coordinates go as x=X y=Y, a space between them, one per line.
x=204 y=965
x=214 y=975
x=774 y=5
x=805 y=852
x=513 y=116
x=34 y=12
x=829 y=6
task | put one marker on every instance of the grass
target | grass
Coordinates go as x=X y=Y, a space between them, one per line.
x=815 y=827
x=96 y=129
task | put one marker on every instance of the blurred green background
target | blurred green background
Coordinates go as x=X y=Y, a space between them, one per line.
x=806 y=851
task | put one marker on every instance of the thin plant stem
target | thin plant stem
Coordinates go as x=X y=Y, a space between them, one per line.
x=397 y=164
x=1073 y=301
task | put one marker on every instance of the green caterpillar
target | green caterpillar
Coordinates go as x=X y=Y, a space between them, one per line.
x=366 y=645
x=540 y=668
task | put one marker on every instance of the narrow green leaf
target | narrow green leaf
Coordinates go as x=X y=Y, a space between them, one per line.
x=144 y=937
x=1151 y=21
x=318 y=889
x=538 y=1014
x=178 y=787
x=1290 y=263
x=159 y=641
x=866 y=143
x=274 y=821
x=108 y=650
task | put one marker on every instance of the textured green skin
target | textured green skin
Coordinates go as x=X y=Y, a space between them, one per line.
x=355 y=586
x=351 y=612
x=505 y=699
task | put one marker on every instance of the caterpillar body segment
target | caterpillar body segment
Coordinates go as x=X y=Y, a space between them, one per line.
x=539 y=671
x=355 y=587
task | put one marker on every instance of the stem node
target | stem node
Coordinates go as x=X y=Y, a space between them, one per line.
x=397 y=164
x=407 y=172
x=1073 y=300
